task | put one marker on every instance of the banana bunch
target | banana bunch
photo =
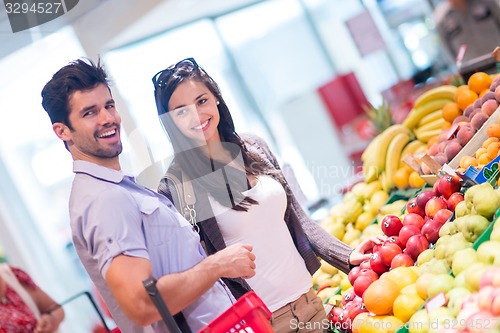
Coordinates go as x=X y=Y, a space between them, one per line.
x=394 y=208
x=425 y=119
x=384 y=153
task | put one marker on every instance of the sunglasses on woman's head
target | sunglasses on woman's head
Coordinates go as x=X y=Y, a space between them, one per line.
x=161 y=78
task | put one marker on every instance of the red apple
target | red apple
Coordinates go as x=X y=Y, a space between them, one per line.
x=388 y=252
x=334 y=315
x=423 y=197
x=368 y=272
x=377 y=265
x=413 y=219
x=435 y=188
x=416 y=245
x=453 y=200
x=395 y=240
x=356 y=310
x=402 y=259
x=365 y=264
x=431 y=230
x=353 y=274
x=361 y=283
x=433 y=205
x=442 y=215
x=390 y=225
x=412 y=207
x=448 y=185
x=406 y=232
x=348 y=296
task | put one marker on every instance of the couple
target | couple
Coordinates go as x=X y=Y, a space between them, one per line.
x=247 y=219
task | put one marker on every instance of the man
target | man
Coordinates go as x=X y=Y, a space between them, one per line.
x=123 y=232
x=475 y=23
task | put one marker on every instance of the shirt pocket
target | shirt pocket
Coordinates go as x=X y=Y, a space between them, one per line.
x=157 y=222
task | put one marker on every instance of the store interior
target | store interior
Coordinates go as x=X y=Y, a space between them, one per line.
x=285 y=68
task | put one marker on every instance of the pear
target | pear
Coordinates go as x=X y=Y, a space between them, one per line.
x=461 y=209
x=471 y=192
x=449 y=228
x=472 y=226
x=455 y=243
x=486 y=202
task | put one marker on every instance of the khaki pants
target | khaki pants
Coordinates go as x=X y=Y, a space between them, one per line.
x=306 y=314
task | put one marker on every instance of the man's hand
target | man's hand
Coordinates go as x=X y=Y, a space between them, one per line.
x=358 y=255
x=235 y=261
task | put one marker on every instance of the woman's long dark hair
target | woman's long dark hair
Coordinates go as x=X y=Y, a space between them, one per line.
x=191 y=158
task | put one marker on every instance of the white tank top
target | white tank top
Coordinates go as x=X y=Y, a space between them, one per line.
x=281 y=274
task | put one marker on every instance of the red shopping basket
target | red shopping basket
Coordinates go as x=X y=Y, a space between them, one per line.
x=248 y=315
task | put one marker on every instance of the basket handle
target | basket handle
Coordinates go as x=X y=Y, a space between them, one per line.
x=152 y=290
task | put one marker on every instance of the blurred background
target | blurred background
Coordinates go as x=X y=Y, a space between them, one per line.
x=299 y=73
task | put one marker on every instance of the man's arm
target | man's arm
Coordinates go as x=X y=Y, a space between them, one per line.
x=126 y=274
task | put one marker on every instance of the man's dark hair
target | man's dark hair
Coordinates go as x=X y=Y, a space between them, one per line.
x=81 y=74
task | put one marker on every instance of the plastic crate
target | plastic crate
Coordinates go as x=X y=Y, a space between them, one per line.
x=248 y=315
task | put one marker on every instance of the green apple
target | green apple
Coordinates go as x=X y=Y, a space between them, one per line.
x=472 y=226
x=455 y=297
x=473 y=275
x=419 y=322
x=488 y=251
x=463 y=259
x=461 y=209
x=440 y=283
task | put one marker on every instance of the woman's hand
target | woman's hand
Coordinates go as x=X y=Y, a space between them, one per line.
x=45 y=324
x=359 y=253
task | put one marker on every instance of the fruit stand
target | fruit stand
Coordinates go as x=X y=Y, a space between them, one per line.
x=431 y=187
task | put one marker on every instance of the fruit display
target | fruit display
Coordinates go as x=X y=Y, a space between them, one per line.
x=438 y=268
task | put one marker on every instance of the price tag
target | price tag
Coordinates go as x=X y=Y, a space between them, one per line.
x=436 y=302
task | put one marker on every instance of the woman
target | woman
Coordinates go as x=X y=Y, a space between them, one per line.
x=243 y=197
x=24 y=307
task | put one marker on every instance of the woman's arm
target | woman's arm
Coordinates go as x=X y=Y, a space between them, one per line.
x=329 y=248
x=51 y=314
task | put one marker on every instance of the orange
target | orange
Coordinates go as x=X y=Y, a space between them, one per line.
x=451 y=111
x=484 y=158
x=446 y=125
x=493 y=149
x=432 y=141
x=401 y=178
x=423 y=284
x=479 y=152
x=493 y=131
x=460 y=89
x=415 y=181
x=466 y=98
x=380 y=296
x=406 y=305
x=482 y=93
x=479 y=81
x=467 y=161
x=490 y=140
x=403 y=276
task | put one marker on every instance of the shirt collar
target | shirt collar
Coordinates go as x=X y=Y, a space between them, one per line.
x=98 y=171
